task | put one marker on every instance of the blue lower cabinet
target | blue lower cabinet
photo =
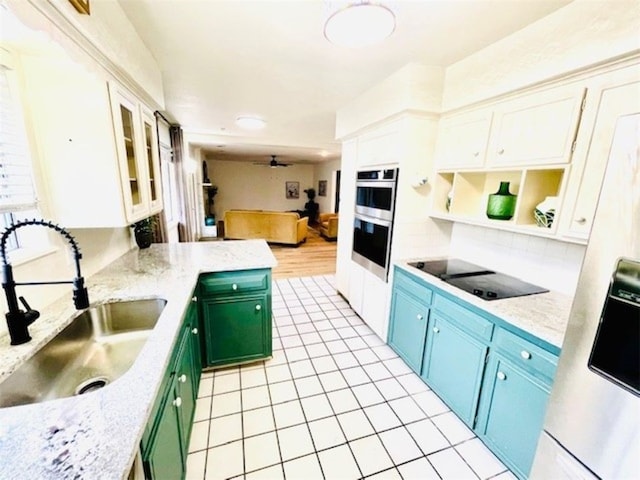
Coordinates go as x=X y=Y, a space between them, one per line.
x=453 y=365
x=408 y=328
x=511 y=413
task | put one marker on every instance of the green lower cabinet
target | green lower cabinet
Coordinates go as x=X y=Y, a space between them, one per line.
x=185 y=388
x=193 y=325
x=511 y=413
x=408 y=328
x=237 y=329
x=453 y=365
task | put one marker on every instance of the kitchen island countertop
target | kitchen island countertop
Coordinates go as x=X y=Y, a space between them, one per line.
x=543 y=315
x=97 y=435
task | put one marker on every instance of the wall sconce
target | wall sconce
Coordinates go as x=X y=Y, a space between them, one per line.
x=419 y=181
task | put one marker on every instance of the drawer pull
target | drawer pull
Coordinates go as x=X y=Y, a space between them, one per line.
x=581 y=220
x=177 y=402
x=436 y=330
x=194 y=299
x=258 y=307
x=501 y=151
x=501 y=376
x=234 y=286
x=182 y=378
x=194 y=330
x=419 y=317
x=524 y=354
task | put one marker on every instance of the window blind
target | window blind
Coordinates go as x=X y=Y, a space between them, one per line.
x=16 y=179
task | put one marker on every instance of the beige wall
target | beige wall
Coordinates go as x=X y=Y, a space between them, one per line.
x=243 y=185
x=326 y=171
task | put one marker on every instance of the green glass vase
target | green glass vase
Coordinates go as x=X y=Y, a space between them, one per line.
x=502 y=204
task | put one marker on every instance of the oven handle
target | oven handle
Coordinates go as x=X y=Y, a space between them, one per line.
x=376 y=183
x=378 y=221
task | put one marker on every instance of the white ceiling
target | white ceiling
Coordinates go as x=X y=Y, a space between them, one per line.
x=223 y=58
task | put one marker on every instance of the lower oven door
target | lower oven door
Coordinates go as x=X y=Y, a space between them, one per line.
x=372 y=244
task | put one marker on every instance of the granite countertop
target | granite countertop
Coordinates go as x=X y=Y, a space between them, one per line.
x=544 y=315
x=97 y=435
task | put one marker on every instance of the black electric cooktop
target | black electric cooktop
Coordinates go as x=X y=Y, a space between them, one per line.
x=477 y=280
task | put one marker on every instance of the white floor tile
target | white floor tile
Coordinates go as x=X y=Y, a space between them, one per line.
x=277 y=358
x=290 y=342
x=397 y=366
x=453 y=428
x=377 y=371
x=370 y=455
x=317 y=316
x=323 y=324
x=343 y=401
x=449 y=464
x=505 y=476
x=324 y=364
x=412 y=383
x=261 y=451
x=367 y=394
x=203 y=409
x=282 y=392
x=254 y=397
x=329 y=335
x=382 y=417
x=252 y=378
x=400 y=446
x=224 y=461
x=199 y=436
x=206 y=387
x=306 y=328
x=316 y=407
x=300 y=369
x=419 y=469
x=407 y=410
x=288 y=414
x=332 y=381
x=304 y=468
x=294 y=442
x=347 y=332
x=326 y=433
x=337 y=346
x=427 y=436
x=311 y=338
x=225 y=429
x=366 y=356
x=270 y=473
x=430 y=403
x=390 y=474
x=338 y=463
x=345 y=360
x=296 y=353
x=317 y=350
x=196 y=463
x=308 y=386
x=287 y=330
x=355 y=376
x=278 y=373
x=257 y=421
x=355 y=343
x=480 y=458
x=390 y=389
x=355 y=424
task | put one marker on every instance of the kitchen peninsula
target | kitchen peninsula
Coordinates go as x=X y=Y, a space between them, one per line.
x=97 y=435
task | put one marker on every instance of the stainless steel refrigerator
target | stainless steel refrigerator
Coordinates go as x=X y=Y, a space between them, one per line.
x=592 y=425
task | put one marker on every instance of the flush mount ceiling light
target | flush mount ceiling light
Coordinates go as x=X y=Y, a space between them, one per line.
x=250 y=123
x=359 y=24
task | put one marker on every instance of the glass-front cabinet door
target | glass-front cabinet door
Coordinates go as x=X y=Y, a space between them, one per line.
x=152 y=160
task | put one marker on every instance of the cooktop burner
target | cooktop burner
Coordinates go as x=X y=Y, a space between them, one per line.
x=477 y=280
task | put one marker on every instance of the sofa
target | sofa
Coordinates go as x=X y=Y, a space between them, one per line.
x=328 y=225
x=274 y=227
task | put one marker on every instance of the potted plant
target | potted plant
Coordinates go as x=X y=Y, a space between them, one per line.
x=311 y=207
x=144 y=232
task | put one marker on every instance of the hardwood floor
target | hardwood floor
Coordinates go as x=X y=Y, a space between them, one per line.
x=316 y=256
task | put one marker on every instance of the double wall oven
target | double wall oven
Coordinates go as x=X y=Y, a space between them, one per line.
x=373 y=221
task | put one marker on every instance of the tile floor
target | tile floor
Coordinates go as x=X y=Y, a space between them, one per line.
x=334 y=402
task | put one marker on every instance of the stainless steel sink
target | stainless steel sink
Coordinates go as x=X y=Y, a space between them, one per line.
x=95 y=349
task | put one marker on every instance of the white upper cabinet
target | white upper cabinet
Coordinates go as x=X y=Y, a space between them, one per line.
x=463 y=139
x=380 y=146
x=536 y=129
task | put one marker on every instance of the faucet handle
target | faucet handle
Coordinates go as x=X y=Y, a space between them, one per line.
x=30 y=315
x=27 y=307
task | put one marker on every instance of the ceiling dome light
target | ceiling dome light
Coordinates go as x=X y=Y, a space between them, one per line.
x=359 y=24
x=250 y=123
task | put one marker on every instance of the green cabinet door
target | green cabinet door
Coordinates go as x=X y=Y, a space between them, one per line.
x=238 y=329
x=193 y=325
x=185 y=388
x=408 y=328
x=511 y=413
x=453 y=365
x=164 y=458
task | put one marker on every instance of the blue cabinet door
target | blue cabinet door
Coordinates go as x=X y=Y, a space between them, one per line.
x=408 y=328
x=453 y=365
x=511 y=413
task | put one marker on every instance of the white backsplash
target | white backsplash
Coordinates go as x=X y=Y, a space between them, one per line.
x=542 y=261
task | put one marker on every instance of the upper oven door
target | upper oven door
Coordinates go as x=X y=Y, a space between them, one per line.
x=375 y=199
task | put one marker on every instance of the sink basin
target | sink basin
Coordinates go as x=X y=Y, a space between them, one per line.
x=96 y=348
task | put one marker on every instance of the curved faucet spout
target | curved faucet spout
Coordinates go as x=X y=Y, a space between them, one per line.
x=17 y=319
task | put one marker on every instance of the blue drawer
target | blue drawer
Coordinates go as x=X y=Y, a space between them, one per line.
x=407 y=283
x=525 y=354
x=464 y=319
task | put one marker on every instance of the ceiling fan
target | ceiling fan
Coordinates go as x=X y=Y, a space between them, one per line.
x=273 y=163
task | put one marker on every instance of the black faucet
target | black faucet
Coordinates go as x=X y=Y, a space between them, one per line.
x=18 y=320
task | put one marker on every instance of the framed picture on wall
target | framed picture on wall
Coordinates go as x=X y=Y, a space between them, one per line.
x=322 y=188
x=292 y=189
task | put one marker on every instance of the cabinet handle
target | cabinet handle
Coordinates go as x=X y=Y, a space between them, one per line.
x=501 y=376
x=182 y=378
x=194 y=330
x=234 y=286
x=501 y=151
x=177 y=402
x=258 y=307
x=436 y=330
x=475 y=154
x=419 y=317
x=194 y=299
x=581 y=220
x=524 y=354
